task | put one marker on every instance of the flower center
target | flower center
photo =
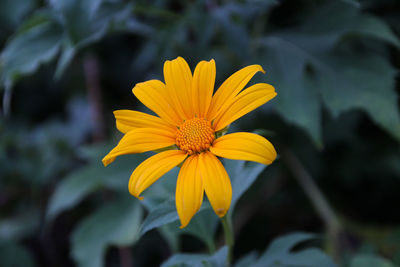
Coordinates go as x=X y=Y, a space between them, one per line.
x=195 y=135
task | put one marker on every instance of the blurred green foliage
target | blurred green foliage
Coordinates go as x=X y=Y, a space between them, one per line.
x=334 y=65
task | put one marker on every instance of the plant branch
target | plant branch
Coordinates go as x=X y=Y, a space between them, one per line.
x=91 y=68
x=229 y=238
x=7 y=101
x=316 y=197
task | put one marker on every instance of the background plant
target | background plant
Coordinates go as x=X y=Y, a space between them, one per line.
x=66 y=64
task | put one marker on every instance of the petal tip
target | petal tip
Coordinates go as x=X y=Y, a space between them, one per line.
x=135 y=88
x=106 y=161
x=184 y=223
x=221 y=212
x=257 y=68
x=135 y=195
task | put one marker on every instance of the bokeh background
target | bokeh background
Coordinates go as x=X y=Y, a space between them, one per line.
x=65 y=65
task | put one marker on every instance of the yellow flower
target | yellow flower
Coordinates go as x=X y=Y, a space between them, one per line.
x=190 y=116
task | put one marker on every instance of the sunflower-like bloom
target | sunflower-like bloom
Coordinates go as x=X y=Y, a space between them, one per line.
x=190 y=119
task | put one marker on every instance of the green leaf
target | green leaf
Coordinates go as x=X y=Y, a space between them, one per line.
x=364 y=81
x=235 y=33
x=72 y=190
x=12 y=12
x=298 y=101
x=77 y=18
x=247 y=260
x=16 y=228
x=161 y=214
x=338 y=19
x=25 y=51
x=87 y=21
x=285 y=243
x=203 y=226
x=242 y=174
x=309 y=69
x=198 y=260
x=15 y=255
x=116 y=223
x=67 y=54
x=169 y=233
x=92 y=177
x=279 y=253
x=370 y=261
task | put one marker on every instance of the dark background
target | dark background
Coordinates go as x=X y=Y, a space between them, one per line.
x=66 y=65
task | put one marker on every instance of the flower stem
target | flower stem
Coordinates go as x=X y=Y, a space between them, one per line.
x=318 y=200
x=229 y=238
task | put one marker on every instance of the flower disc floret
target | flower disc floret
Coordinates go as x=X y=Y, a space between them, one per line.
x=195 y=135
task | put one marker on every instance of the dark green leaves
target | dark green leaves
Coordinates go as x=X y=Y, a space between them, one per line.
x=14 y=255
x=28 y=49
x=370 y=261
x=87 y=21
x=201 y=226
x=243 y=174
x=114 y=223
x=68 y=26
x=160 y=215
x=279 y=253
x=12 y=12
x=92 y=177
x=340 y=19
x=198 y=260
x=361 y=81
x=314 y=65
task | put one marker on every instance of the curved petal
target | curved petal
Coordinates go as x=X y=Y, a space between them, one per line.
x=248 y=100
x=140 y=140
x=153 y=94
x=152 y=169
x=203 y=87
x=230 y=88
x=178 y=79
x=244 y=146
x=216 y=183
x=127 y=120
x=189 y=190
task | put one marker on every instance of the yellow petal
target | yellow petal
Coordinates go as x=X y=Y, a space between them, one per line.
x=152 y=169
x=178 y=79
x=153 y=94
x=127 y=120
x=216 y=183
x=244 y=146
x=203 y=87
x=248 y=100
x=140 y=140
x=189 y=190
x=230 y=88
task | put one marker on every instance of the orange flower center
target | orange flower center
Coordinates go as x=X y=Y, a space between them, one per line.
x=195 y=135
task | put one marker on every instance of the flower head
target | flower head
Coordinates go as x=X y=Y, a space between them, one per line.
x=190 y=117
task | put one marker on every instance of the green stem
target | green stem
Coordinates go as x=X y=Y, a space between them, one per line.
x=229 y=238
x=317 y=198
x=211 y=246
